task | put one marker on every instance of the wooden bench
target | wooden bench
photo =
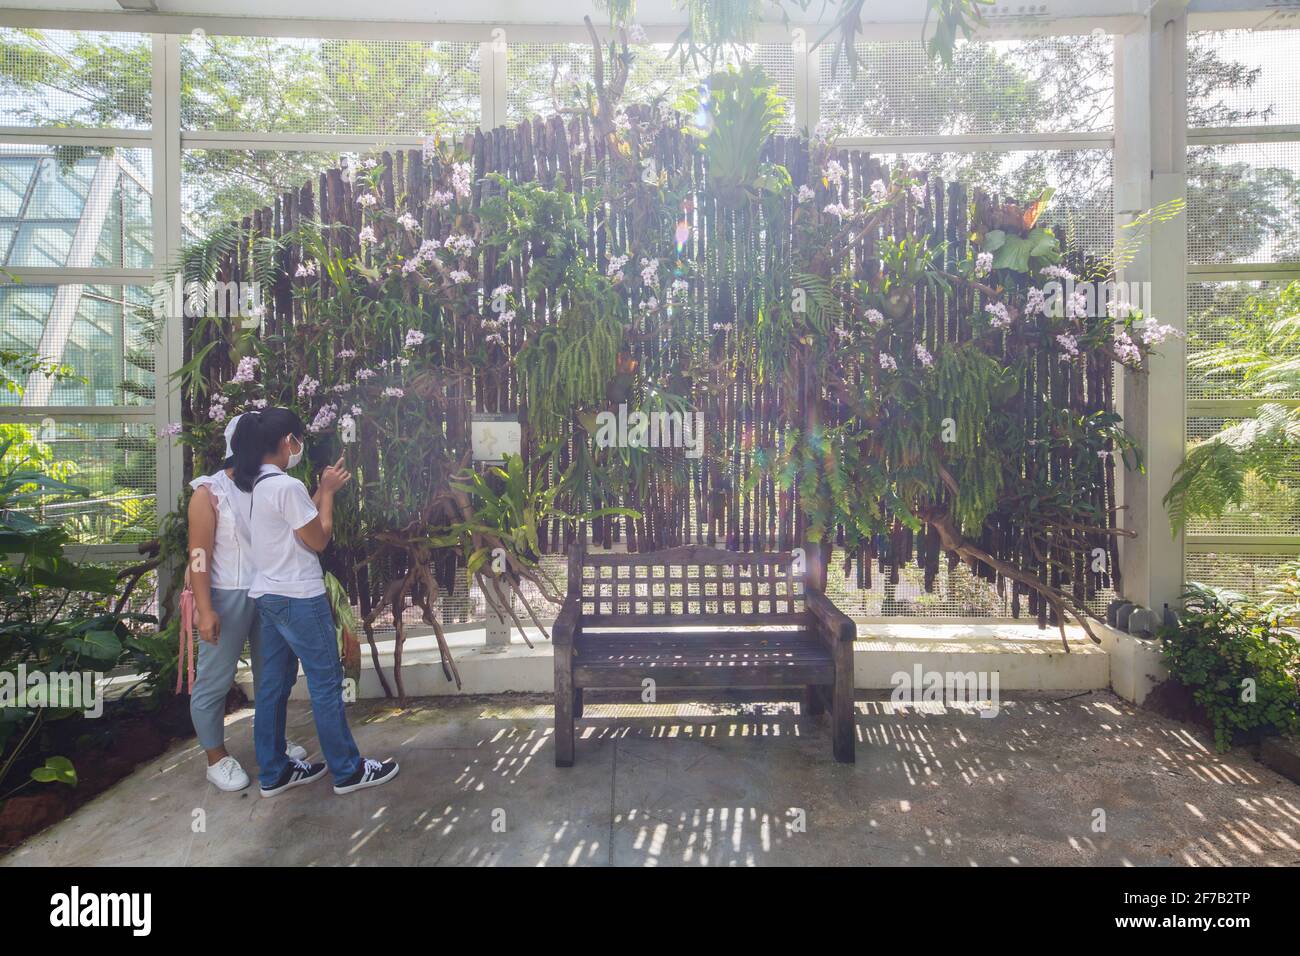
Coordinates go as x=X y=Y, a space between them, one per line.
x=701 y=617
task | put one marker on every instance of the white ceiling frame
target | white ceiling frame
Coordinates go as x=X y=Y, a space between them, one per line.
x=1120 y=18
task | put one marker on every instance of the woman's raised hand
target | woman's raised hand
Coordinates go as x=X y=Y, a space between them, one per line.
x=334 y=477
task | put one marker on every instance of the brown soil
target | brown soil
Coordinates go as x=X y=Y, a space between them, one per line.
x=133 y=737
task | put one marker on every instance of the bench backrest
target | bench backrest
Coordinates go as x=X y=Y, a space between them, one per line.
x=689 y=585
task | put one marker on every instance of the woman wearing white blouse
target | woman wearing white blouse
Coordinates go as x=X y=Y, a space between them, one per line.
x=219 y=573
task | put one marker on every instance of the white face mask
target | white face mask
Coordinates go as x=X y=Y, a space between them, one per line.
x=296 y=456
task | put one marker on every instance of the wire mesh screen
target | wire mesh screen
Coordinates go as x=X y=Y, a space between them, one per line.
x=76 y=207
x=1083 y=208
x=545 y=77
x=1214 y=310
x=372 y=87
x=1248 y=573
x=1242 y=78
x=1049 y=84
x=1243 y=203
x=219 y=186
x=113 y=463
x=75 y=78
x=957 y=594
x=103 y=333
x=1267 y=509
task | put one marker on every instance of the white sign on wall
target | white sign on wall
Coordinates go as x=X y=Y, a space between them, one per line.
x=494 y=436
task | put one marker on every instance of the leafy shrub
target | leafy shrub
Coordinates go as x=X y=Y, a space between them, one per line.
x=1239 y=658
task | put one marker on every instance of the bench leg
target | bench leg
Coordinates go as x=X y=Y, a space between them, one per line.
x=843 y=728
x=577 y=703
x=564 y=706
x=814 y=701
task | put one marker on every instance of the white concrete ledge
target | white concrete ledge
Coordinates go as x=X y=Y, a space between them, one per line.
x=1136 y=665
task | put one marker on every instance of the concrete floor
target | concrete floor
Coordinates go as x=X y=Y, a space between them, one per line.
x=721 y=785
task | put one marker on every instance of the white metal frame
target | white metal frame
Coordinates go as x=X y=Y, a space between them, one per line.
x=1149 y=143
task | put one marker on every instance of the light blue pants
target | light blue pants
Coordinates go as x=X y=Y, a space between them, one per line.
x=295 y=629
x=217 y=663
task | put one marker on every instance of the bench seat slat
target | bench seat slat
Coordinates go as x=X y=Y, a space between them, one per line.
x=674 y=620
x=753 y=659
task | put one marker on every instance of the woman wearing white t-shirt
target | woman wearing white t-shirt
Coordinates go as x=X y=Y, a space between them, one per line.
x=287 y=529
x=219 y=574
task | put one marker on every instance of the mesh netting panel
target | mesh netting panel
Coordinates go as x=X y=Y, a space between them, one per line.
x=1251 y=574
x=958 y=594
x=1213 y=310
x=1082 y=211
x=103 y=333
x=76 y=207
x=1051 y=84
x=1242 y=77
x=75 y=78
x=373 y=87
x=541 y=77
x=1243 y=203
x=114 y=462
x=1265 y=510
x=219 y=186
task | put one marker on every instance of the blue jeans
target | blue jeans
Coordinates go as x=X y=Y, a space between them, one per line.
x=293 y=630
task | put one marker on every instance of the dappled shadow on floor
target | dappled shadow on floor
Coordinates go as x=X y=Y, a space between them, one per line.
x=1051 y=778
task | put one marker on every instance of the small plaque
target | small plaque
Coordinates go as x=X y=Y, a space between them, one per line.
x=494 y=436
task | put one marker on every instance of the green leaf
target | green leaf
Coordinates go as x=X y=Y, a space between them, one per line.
x=56 y=770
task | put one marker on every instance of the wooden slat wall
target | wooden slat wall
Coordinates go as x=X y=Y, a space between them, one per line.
x=710 y=508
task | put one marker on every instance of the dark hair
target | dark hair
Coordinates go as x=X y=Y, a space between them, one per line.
x=257 y=435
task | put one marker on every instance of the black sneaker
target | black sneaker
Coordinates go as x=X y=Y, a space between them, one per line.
x=295 y=775
x=372 y=774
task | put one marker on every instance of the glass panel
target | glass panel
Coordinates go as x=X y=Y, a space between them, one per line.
x=76 y=206
x=106 y=335
x=15 y=179
x=1048 y=84
x=75 y=78
x=378 y=87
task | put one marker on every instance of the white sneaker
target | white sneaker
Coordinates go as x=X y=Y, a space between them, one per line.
x=226 y=774
x=295 y=751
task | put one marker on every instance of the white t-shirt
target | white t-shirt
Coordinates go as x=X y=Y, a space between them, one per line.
x=284 y=565
x=230 y=567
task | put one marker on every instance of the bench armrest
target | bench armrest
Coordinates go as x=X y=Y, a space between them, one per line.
x=567 y=621
x=835 y=624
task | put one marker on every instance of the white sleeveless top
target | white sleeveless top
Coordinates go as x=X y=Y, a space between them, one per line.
x=231 y=567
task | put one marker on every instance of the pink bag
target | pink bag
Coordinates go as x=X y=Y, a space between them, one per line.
x=187 y=639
